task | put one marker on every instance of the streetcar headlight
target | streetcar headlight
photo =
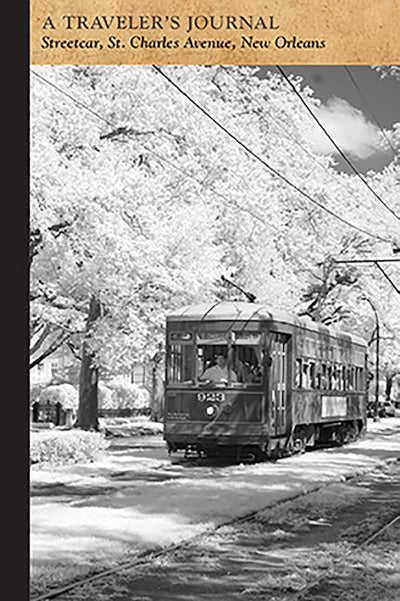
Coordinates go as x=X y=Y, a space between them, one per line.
x=210 y=410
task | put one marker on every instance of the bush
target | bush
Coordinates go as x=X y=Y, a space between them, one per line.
x=65 y=394
x=119 y=395
x=105 y=396
x=125 y=427
x=35 y=392
x=72 y=446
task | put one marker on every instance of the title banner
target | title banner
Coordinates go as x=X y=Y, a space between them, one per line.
x=217 y=32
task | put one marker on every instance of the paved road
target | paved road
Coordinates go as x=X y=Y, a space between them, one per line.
x=135 y=498
x=312 y=542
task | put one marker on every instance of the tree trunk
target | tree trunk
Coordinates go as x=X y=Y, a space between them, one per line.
x=389 y=384
x=88 y=378
x=157 y=392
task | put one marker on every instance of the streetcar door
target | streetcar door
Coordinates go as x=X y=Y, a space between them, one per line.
x=279 y=378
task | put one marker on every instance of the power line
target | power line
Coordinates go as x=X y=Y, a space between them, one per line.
x=78 y=102
x=340 y=151
x=376 y=262
x=373 y=260
x=263 y=162
x=386 y=276
x=347 y=69
x=151 y=151
x=279 y=124
x=251 y=96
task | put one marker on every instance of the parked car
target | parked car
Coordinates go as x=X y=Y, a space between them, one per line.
x=371 y=406
x=386 y=409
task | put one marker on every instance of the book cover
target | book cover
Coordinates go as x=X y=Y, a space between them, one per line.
x=231 y=169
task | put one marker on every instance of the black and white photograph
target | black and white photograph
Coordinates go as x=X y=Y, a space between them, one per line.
x=214 y=270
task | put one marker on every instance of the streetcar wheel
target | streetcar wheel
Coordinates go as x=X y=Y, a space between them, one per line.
x=299 y=445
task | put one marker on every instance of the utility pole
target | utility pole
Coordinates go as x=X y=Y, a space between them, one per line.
x=377 y=334
x=377 y=262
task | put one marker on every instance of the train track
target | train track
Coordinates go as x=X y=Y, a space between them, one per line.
x=148 y=557
x=301 y=594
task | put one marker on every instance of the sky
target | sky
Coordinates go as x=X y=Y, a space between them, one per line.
x=356 y=104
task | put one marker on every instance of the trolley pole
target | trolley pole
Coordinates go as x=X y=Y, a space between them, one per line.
x=377 y=334
x=249 y=295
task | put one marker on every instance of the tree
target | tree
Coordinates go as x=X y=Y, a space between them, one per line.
x=118 y=251
x=140 y=203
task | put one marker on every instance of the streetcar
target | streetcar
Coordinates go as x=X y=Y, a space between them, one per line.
x=254 y=383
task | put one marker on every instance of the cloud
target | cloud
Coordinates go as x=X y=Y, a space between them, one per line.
x=357 y=137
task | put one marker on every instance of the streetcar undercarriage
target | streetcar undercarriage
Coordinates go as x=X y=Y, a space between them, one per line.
x=303 y=436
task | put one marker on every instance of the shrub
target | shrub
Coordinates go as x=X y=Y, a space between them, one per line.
x=65 y=394
x=35 y=392
x=120 y=395
x=66 y=446
x=125 y=427
x=105 y=396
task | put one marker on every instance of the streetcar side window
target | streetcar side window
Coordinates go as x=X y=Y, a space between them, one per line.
x=329 y=377
x=332 y=377
x=352 y=378
x=305 y=377
x=339 y=377
x=359 y=378
x=362 y=378
x=180 y=365
x=298 y=373
x=313 y=381
x=323 y=381
x=349 y=383
x=336 y=379
x=306 y=374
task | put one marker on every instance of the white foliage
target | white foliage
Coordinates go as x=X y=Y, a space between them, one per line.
x=157 y=203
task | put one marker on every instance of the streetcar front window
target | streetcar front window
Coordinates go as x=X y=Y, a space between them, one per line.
x=233 y=358
x=213 y=362
x=248 y=357
x=218 y=358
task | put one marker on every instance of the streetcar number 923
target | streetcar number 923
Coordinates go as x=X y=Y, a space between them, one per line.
x=216 y=397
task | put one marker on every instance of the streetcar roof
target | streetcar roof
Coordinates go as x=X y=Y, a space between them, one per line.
x=242 y=311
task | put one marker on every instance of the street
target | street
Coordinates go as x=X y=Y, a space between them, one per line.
x=325 y=545
x=89 y=517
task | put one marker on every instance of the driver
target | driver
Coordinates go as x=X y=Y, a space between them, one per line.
x=219 y=371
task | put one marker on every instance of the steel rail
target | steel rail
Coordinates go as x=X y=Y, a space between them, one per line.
x=379 y=532
x=298 y=595
x=147 y=556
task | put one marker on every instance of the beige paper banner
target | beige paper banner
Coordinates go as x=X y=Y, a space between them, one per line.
x=215 y=32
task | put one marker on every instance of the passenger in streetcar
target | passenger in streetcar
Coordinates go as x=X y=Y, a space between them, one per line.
x=219 y=371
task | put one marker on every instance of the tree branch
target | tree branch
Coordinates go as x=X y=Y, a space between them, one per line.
x=124 y=131
x=51 y=349
x=74 y=351
x=42 y=337
x=35 y=241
